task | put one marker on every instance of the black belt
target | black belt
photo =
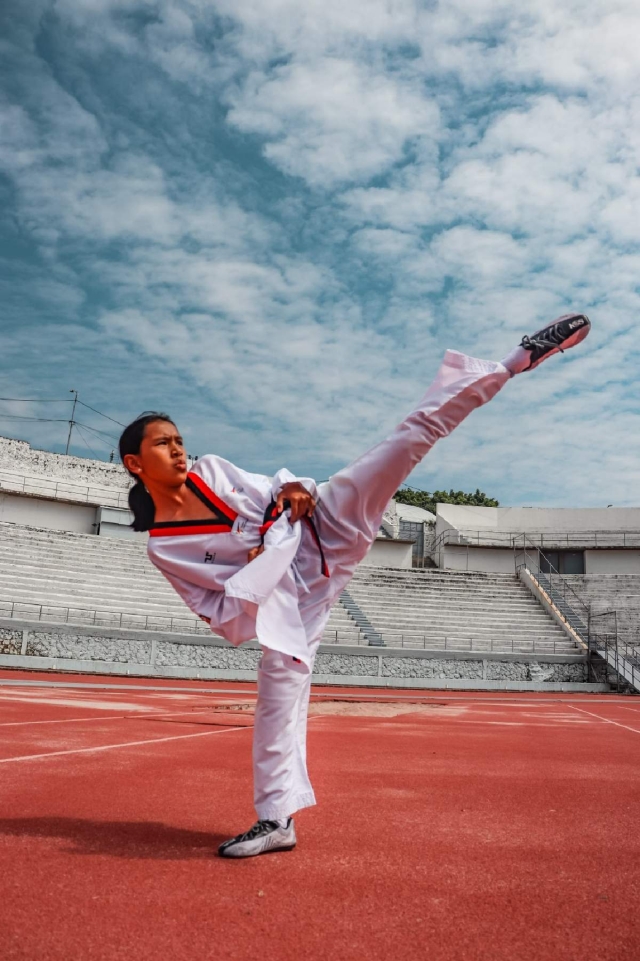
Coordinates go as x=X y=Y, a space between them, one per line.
x=271 y=515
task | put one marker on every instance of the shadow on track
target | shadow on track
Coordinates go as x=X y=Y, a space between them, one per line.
x=135 y=840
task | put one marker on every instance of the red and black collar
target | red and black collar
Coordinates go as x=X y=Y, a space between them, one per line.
x=221 y=522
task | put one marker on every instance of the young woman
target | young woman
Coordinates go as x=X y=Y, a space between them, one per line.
x=267 y=557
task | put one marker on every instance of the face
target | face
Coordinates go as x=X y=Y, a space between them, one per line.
x=162 y=460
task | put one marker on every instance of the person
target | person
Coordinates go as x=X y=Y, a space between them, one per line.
x=265 y=557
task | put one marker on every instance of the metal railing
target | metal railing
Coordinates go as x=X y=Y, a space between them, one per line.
x=15 y=483
x=573 y=608
x=479 y=645
x=551 y=540
x=622 y=654
x=82 y=617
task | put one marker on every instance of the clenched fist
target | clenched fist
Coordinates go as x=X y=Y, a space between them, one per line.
x=302 y=503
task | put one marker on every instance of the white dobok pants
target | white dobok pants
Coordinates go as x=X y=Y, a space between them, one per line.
x=348 y=517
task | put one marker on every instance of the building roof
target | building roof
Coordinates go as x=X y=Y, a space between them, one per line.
x=415 y=515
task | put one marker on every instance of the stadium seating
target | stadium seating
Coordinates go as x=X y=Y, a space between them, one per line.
x=442 y=609
x=611 y=592
x=82 y=578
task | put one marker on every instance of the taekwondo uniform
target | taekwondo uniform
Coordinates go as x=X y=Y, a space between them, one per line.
x=284 y=596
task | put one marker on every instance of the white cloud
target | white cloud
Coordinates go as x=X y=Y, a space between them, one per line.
x=332 y=120
x=442 y=174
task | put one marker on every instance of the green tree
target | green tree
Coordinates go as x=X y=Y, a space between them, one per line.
x=428 y=500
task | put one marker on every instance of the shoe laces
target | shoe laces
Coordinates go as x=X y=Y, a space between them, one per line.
x=259 y=828
x=540 y=343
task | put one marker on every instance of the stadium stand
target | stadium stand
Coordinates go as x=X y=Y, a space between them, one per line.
x=79 y=578
x=607 y=593
x=443 y=610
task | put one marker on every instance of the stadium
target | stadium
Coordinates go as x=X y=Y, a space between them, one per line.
x=319 y=474
x=501 y=642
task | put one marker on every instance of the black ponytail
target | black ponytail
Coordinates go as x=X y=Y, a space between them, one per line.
x=142 y=507
x=140 y=500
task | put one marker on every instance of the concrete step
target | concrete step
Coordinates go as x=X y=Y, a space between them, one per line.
x=160 y=592
x=426 y=606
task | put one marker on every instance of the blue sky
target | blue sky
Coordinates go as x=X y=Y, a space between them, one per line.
x=271 y=217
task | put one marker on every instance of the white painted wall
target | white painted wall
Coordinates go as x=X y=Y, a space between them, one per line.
x=21 y=458
x=612 y=562
x=502 y=561
x=49 y=514
x=386 y=553
x=552 y=519
x=114 y=522
x=493 y=560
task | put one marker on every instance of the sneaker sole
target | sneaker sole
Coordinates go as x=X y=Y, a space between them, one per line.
x=256 y=854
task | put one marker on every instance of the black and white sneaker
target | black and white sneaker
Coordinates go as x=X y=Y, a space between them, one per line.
x=262 y=837
x=563 y=333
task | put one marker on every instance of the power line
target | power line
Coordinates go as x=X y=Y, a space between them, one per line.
x=97 y=432
x=88 y=446
x=42 y=420
x=64 y=400
x=38 y=400
x=82 y=403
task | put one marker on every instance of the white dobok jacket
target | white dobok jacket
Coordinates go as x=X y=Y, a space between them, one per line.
x=206 y=560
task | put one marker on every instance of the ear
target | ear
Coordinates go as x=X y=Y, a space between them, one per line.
x=132 y=463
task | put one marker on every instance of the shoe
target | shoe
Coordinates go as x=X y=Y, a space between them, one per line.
x=262 y=837
x=563 y=333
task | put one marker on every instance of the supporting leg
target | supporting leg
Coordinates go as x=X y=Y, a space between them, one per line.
x=281 y=781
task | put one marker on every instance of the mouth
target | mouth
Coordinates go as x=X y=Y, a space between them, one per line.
x=180 y=465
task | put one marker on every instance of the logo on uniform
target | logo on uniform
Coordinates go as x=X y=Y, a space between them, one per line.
x=209 y=558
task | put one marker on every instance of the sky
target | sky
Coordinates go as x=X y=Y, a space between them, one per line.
x=270 y=218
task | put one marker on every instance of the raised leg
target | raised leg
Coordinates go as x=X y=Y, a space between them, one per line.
x=353 y=501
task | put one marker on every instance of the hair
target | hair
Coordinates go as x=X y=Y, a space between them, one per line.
x=140 y=500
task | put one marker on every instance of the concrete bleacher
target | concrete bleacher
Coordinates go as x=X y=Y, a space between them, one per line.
x=611 y=592
x=84 y=579
x=436 y=609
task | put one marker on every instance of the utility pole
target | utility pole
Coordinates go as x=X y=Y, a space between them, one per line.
x=72 y=421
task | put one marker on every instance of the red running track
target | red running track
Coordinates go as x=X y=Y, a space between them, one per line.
x=477 y=827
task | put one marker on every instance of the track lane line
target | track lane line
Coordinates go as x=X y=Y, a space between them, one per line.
x=114 y=717
x=112 y=747
x=605 y=719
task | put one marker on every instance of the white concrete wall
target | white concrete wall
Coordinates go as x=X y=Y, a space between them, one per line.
x=493 y=560
x=114 y=522
x=18 y=456
x=612 y=562
x=53 y=515
x=501 y=560
x=552 y=519
x=389 y=554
